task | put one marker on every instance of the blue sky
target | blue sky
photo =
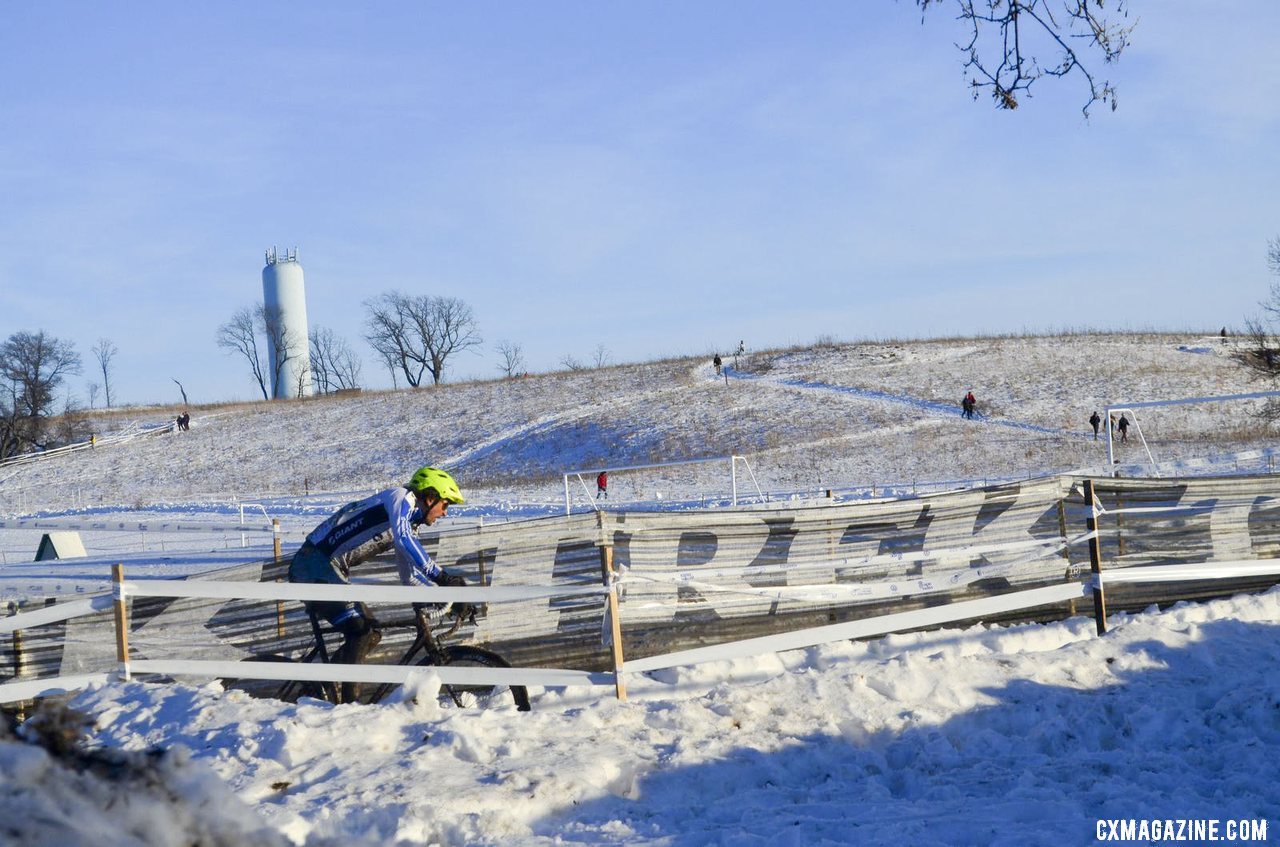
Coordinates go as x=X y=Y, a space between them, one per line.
x=660 y=178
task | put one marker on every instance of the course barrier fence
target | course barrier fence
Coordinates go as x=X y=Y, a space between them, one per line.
x=591 y=599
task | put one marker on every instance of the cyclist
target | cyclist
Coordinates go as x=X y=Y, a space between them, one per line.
x=358 y=532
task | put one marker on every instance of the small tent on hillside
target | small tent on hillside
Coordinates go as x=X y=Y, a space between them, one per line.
x=65 y=544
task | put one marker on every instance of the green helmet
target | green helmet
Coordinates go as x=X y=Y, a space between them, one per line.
x=439 y=480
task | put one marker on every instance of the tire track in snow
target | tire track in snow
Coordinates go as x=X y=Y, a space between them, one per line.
x=930 y=407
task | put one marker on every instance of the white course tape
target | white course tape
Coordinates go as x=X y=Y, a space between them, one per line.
x=1196 y=571
x=321 y=672
x=149 y=526
x=366 y=593
x=12 y=692
x=290 y=591
x=897 y=622
x=56 y=613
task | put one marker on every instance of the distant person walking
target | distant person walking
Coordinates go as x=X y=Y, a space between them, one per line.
x=1123 y=426
x=717 y=362
x=1095 y=422
x=968 y=404
x=602 y=485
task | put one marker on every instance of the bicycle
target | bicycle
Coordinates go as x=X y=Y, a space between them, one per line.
x=434 y=654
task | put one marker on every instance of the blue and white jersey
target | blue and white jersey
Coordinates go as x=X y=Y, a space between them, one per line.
x=363 y=529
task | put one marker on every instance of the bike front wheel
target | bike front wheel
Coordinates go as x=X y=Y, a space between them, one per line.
x=478 y=696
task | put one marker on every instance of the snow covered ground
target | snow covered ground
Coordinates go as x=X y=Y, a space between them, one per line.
x=1034 y=734
x=1026 y=735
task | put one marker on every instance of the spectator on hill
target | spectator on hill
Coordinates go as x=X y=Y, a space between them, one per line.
x=361 y=530
x=716 y=361
x=1095 y=422
x=1123 y=426
x=602 y=485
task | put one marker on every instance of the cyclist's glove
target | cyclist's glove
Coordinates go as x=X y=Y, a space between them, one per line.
x=465 y=611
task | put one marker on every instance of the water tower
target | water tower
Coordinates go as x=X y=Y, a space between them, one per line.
x=285 y=300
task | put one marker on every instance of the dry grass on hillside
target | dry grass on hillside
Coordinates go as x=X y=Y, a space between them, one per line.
x=883 y=412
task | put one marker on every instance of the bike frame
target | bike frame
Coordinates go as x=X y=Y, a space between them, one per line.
x=426 y=643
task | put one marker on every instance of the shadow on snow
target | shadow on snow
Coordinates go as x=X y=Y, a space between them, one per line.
x=1192 y=734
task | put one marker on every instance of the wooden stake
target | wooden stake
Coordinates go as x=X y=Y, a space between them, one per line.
x=275 y=538
x=615 y=623
x=1066 y=551
x=17 y=652
x=1095 y=560
x=279 y=613
x=122 y=619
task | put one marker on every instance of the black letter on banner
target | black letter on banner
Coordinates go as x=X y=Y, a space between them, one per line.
x=774 y=554
x=695 y=549
x=577 y=562
x=893 y=540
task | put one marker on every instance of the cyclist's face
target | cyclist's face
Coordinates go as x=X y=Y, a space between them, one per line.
x=433 y=511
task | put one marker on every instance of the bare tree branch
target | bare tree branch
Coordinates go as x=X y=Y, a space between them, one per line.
x=240 y=335
x=334 y=364
x=104 y=351
x=1260 y=353
x=512 y=362
x=420 y=334
x=1014 y=43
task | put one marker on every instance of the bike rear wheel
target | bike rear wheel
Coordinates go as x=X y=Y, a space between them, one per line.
x=478 y=696
x=290 y=690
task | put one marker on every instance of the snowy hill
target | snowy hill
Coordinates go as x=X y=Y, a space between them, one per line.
x=829 y=416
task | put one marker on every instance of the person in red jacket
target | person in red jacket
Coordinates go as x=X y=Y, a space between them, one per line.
x=602 y=485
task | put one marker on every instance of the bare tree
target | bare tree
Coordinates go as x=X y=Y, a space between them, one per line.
x=333 y=363
x=240 y=335
x=182 y=391
x=1260 y=352
x=284 y=345
x=93 y=389
x=601 y=357
x=104 y=351
x=393 y=368
x=253 y=330
x=571 y=364
x=32 y=367
x=1014 y=43
x=512 y=358
x=390 y=334
x=419 y=334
